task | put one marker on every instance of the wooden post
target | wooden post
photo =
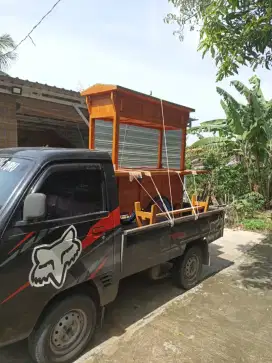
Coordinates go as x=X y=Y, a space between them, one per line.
x=182 y=157
x=183 y=149
x=92 y=133
x=115 y=132
x=160 y=149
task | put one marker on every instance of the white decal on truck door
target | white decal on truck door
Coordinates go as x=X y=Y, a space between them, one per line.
x=52 y=262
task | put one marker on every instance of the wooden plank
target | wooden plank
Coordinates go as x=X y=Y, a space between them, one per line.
x=125 y=172
x=145 y=124
x=160 y=149
x=179 y=211
x=108 y=88
x=92 y=133
x=133 y=108
x=115 y=132
x=102 y=106
x=98 y=88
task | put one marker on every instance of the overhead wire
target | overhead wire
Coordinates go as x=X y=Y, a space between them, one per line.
x=32 y=30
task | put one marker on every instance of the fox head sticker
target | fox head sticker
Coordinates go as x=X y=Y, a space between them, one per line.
x=52 y=262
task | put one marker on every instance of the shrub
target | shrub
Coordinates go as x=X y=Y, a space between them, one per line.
x=248 y=204
x=257 y=224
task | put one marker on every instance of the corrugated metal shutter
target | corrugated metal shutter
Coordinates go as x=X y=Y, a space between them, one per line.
x=139 y=146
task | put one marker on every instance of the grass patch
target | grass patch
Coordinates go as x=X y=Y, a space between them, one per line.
x=257 y=224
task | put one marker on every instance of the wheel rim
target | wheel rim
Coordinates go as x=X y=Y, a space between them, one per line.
x=191 y=267
x=68 y=332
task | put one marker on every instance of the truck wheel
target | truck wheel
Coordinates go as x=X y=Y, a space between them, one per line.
x=64 y=331
x=188 y=268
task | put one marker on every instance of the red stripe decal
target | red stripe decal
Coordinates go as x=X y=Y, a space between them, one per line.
x=178 y=235
x=108 y=223
x=105 y=224
x=94 y=273
x=16 y=292
x=21 y=242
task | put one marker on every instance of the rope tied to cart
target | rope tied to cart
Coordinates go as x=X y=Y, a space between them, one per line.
x=136 y=176
x=195 y=210
x=171 y=219
x=166 y=153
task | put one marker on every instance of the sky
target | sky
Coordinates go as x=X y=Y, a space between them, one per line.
x=120 y=42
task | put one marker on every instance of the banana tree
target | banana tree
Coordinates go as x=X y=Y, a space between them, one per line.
x=246 y=131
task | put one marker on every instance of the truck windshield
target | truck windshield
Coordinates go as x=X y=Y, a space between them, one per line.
x=12 y=172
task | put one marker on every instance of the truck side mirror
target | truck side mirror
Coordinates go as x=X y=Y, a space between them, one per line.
x=34 y=206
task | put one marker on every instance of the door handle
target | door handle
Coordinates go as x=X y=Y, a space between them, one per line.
x=98 y=230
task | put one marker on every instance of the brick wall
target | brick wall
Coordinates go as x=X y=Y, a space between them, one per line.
x=8 y=122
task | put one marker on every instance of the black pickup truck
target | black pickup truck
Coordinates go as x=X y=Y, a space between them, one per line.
x=64 y=250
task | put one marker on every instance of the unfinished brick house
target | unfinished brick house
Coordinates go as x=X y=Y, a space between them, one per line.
x=33 y=114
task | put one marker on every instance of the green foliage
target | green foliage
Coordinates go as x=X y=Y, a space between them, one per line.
x=6 y=51
x=234 y=32
x=222 y=181
x=254 y=224
x=247 y=205
x=245 y=135
x=206 y=141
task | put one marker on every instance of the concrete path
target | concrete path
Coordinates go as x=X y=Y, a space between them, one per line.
x=227 y=318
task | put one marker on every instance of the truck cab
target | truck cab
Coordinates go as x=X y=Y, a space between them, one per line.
x=80 y=204
x=64 y=250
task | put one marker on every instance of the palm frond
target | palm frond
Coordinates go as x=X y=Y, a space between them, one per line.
x=6 y=51
x=6 y=42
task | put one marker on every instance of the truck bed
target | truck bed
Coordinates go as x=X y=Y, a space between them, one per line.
x=150 y=245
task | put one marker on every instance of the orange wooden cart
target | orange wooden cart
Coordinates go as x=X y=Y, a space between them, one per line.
x=138 y=187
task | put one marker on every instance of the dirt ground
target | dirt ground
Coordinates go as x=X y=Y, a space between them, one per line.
x=226 y=318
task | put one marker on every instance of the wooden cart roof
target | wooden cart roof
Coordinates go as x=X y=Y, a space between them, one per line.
x=99 y=88
x=136 y=108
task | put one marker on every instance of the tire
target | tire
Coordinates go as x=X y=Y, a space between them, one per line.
x=49 y=341
x=159 y=202
x=188 y=268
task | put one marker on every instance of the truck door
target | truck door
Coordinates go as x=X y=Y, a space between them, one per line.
x=72 y=244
